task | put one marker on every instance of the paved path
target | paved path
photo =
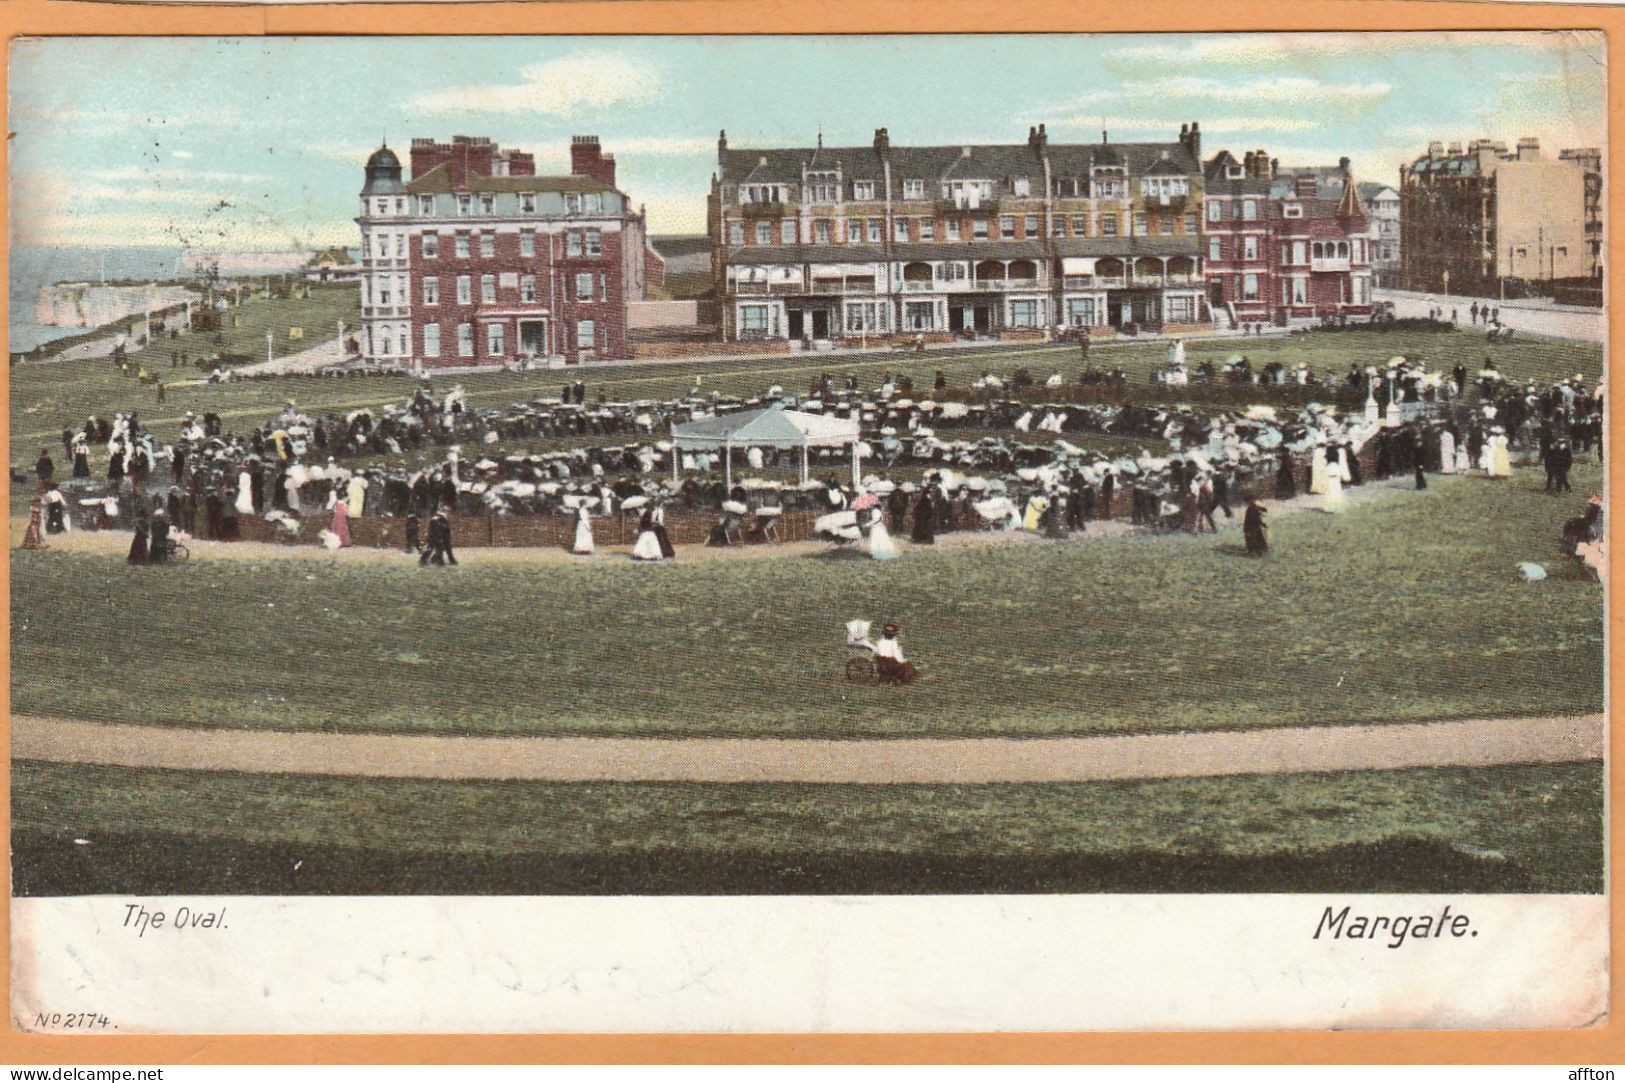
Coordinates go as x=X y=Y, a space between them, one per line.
x=1535 y=317
x=305 y=361
x=904 y=760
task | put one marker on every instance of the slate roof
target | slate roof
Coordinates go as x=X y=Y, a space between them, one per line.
x=935 y=164
x=438 y=179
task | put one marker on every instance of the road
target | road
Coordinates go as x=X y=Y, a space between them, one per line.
x=1535 y=317
x=1280 y=750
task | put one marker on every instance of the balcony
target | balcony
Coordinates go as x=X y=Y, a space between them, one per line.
x=383 y=263
x=765 y=289
x=384 y=311
x=965 y=204
x=1329 y=263
x=840 y=287
x=762 y=210
x=1004 y=284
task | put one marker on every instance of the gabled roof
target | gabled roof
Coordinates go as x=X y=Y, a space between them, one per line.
x=773 y=427
x=438 y=179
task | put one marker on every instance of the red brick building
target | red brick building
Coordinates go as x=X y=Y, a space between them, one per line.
x=477 y=260
x=1285 y=244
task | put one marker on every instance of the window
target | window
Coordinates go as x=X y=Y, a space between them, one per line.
x=488 y=204
x=919 y=315
x=583 y=287
x=821 y=232
x=900 y=230
x=1249 y=248
x=1080 y=225
x=465 y=340
x=380 y=206
x=1007 y=226
x=431 y=246
x=572 y=239
x=951 y=226
x=764 y=232
x=431 y=340
x=1215 y=248
x=527 y=243
x=1299 y=252
x=867 y=317
x=822 y=188
x=753 y=318
x=954 y=272
x=488 y=289
x=1167 y=223
x=1021 y=186
x=854 y=231
x=1180 y=310
x=595 y=242
x=494 y=339
x=1300 y=291
x=462 y=246
x=1108 y=225
x=465 y=205
x=928 y=229
x=527 y=202
x=527 y=289
x=382 y=290
x=383 y=246
x=431 y=291
x=1080 y=312
x=1190 y=224
x=593 y=202
x=1030 y=225
x=488 y=245
x=1249 y=287
x=1249 y=210
x=464 y=296
x=1023 y=313
x=787 y=231
x=1057 y=226
x=978 y=229
x=913 y=189
x=863 y=189
x=572 y=203
x=876 y=231
x=1292 y=210
x=586 y=335
x=1214 y=211
x=1139 y=225
x=425 y=204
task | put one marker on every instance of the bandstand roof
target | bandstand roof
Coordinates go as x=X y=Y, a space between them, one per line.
x=772 y=427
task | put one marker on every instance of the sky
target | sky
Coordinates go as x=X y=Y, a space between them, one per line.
x=253 y=143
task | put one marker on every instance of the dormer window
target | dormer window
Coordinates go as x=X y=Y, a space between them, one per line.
x=1233 y=172
x=823 y=188
x=488 y=204
x=1292 y=210
x=1021 y=186
x=914 y=189
x=527 y=202
x=572 y=203
x=465 y=205
x=863 y=190
x=425 y=204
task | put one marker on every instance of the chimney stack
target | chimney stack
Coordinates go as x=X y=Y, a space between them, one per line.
x=722 y=144
x=1306 y=186
x=1528 y=149
x=587 y=159
x=1343 y=165
x=1435 y=149
x=1275 y=167
x=882 y=141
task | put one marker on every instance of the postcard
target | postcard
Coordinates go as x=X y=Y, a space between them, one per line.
x=1048 y=532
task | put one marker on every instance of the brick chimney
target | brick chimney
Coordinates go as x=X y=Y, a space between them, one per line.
x=722 y=144
x=882 y=141
x=1306 y=185
x=1528 y=149
x=587 y=159
x=464 y=156
x=1261 y=164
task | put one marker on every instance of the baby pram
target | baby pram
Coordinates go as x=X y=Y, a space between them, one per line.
x=860 y=661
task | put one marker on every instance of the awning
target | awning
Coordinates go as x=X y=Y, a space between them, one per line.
x=772 y=427
x=1078 y=265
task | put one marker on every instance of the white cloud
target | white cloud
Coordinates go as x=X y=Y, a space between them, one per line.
x=162 y=176
x=1286 y=88
x=1255 y=48
x=564 y=87
x=1210 y=125
x=180 y=154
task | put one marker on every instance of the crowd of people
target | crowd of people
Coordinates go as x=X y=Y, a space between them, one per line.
x=984 y=458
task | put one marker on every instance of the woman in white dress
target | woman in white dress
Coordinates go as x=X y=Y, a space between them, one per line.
x=583 y=543
x=1447 y=451
x=356 y=494
x=880 y=543
x=245 y=493
x=1317 y=469
x=647 y=547
x=1334 y=491
x=1500 y=458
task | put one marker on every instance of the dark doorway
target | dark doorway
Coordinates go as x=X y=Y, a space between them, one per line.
x=794 y=322
x=820 y=323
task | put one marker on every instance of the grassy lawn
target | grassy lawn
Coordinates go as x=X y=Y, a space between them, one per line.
x=1518 y=828
x=1408 y=606
x=45 y=397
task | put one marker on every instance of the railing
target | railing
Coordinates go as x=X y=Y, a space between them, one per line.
x=384 y=310
x=764 y=289
x=378 y=263
x=1004 y=284
x=829 y=285
x=1336 y=263
x=761 y=210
